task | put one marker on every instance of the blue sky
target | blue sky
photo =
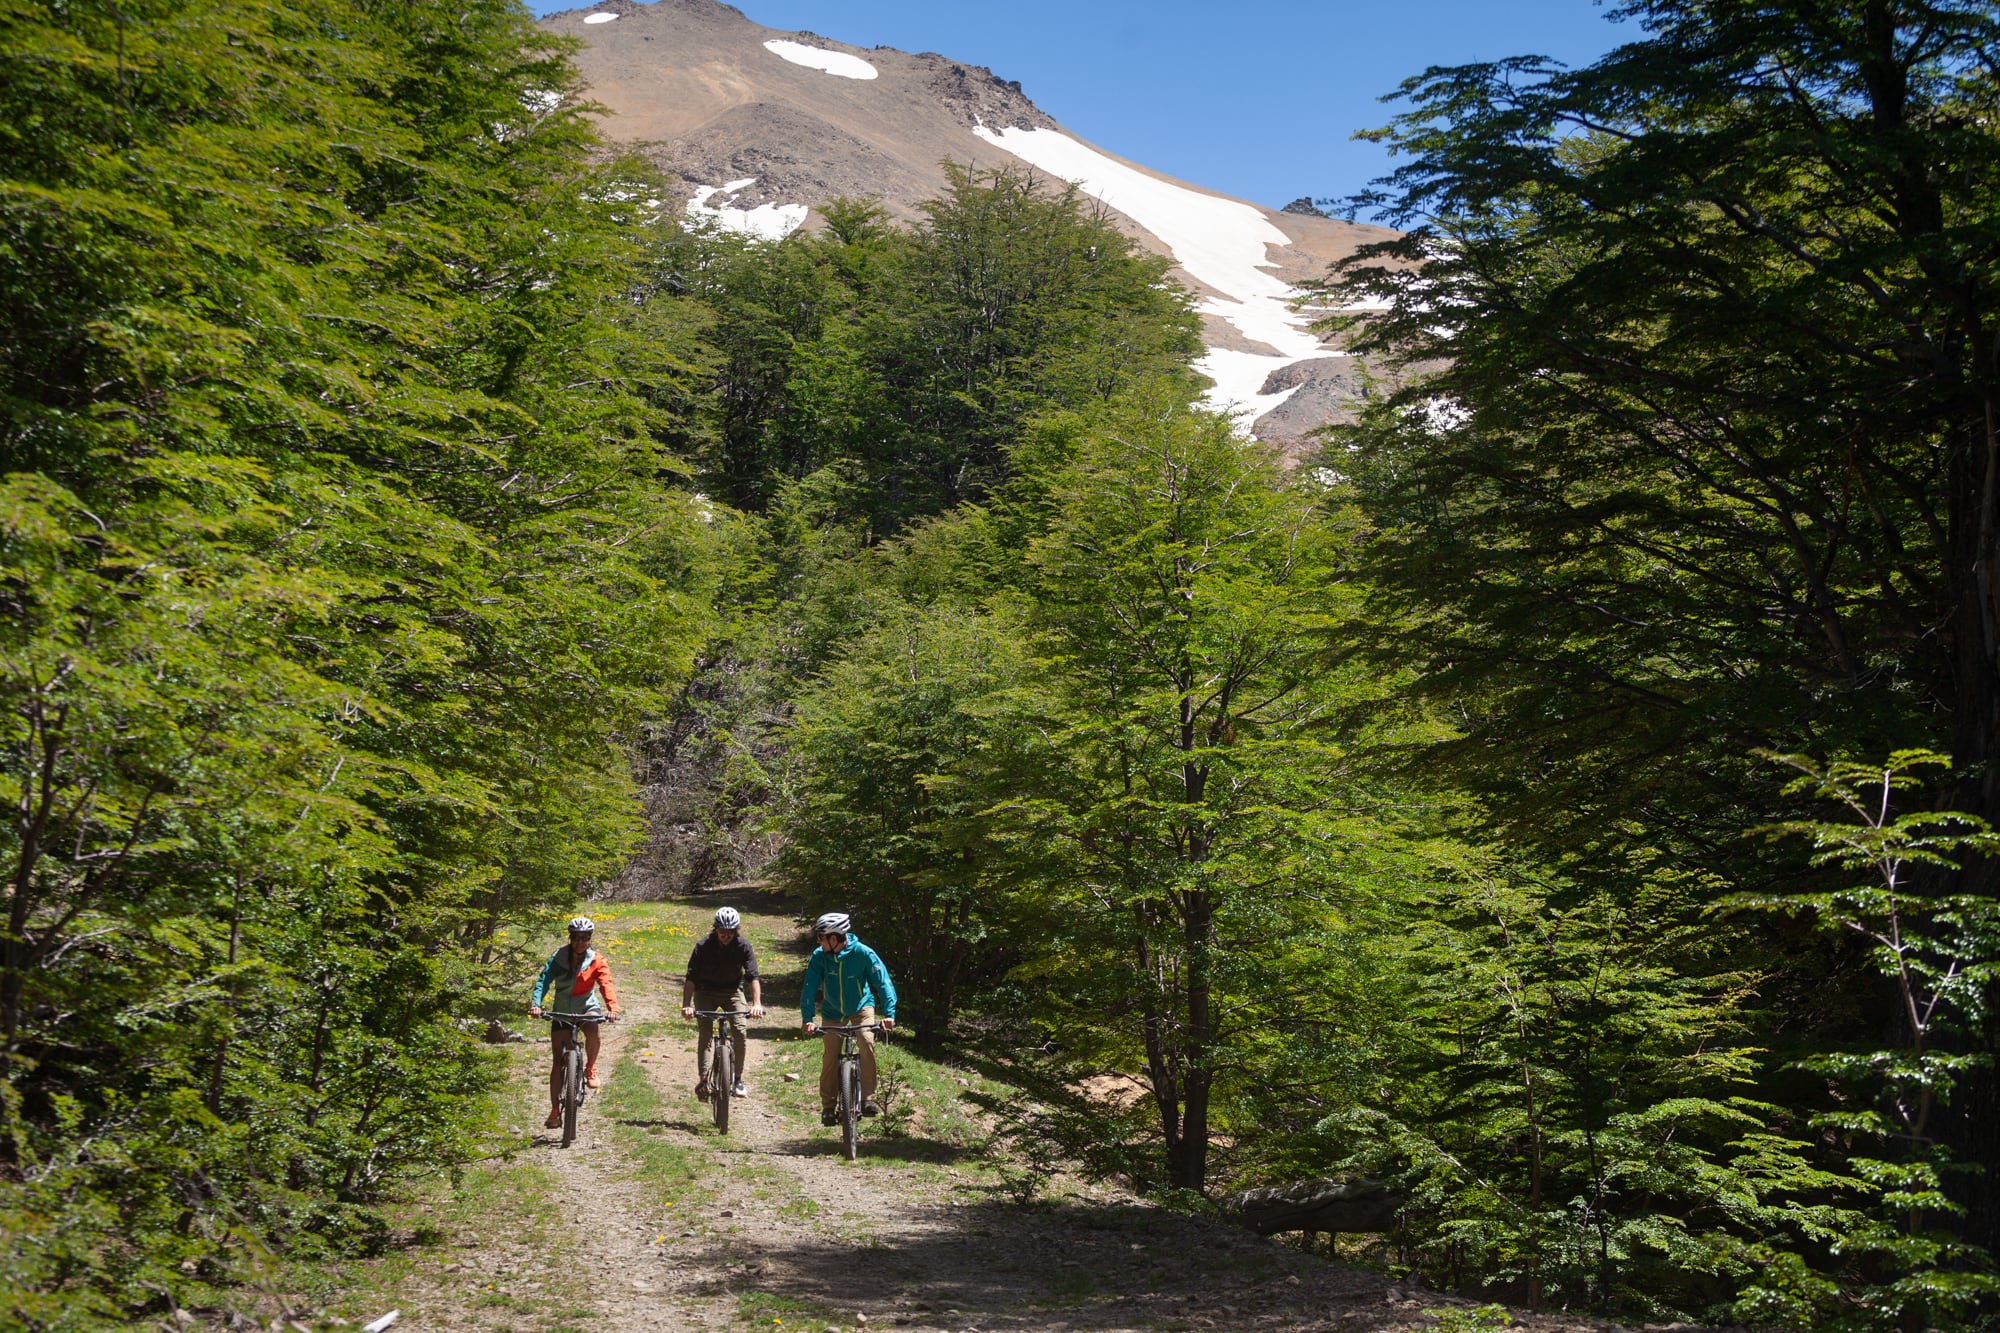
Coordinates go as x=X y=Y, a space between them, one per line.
x=1256 y=98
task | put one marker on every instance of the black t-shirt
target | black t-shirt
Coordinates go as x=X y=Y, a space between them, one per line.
x=717 y=966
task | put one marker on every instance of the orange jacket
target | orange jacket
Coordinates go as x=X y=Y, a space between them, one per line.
x=593 y=974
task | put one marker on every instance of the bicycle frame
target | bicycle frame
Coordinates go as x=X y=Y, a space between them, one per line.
x=721 y=1073
x=850 y=1082
x=575 y=1083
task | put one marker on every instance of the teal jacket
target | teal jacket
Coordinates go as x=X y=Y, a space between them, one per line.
x=851 y=980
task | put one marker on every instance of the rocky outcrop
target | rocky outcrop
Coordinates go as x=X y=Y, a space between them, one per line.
x=792 y=155
x=1325 y=390
x=974 y=95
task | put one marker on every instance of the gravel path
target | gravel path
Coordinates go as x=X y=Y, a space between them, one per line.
x=770 y=1230
x=796 y=1234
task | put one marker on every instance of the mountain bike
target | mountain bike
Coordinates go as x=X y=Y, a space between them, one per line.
x=575 y=1083
x=722 y=1071
x=850 y=1082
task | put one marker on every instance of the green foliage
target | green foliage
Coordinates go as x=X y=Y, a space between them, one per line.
x=1095 y=763
x=1177 y=804
x=1479 y=1319
x=879 y=827
x=1572 y=1114
x=335 y=560
x=919 y=355
x=1938 y=946
x=1699 y=465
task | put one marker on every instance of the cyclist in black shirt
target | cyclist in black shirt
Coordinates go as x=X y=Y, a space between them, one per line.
x=721 y=962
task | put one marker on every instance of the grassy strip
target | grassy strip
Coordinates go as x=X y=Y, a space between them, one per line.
x=491 y=1240
x=640 y=1115
x=652 y=937
x=765 y=1310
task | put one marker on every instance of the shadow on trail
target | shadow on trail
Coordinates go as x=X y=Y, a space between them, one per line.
x=758 y=899
x=895 y=1150
x=1073 y=1264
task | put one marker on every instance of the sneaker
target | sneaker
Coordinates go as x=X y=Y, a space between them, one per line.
x=830 y=1116
x=590 y=1077
x=868 y=1107
x=555 y=1118
x=701 y=1091
x=739 y=1089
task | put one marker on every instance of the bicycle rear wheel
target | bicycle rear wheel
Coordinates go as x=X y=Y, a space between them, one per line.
x=572 y=1090
x=850 y=1107
x=722 y=1078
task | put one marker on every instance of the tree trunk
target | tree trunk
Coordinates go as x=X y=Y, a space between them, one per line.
x=1971 y=1126
x=1189 y=1161
x=1191 y=1171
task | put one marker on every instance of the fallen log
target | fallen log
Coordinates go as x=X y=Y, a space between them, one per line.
x=1352 y=1204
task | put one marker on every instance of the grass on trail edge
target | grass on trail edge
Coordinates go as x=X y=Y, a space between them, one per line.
x=766 y=1310
x=490 y=1241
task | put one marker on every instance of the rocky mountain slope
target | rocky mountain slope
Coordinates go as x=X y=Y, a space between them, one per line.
x=764 y=125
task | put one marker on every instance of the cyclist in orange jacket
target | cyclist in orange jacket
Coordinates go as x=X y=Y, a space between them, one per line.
x=571 y=981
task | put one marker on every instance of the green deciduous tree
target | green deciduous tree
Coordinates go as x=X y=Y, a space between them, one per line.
x=1567 y=1098
x=1177 y=822
x=1706 y=463
x=337 y=563
x=920 y=354
x=1936 y=942
x=890 y=742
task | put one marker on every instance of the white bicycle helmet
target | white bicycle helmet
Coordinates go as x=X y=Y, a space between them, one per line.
x=728 y=918
x=581 y=925
x=833 y=923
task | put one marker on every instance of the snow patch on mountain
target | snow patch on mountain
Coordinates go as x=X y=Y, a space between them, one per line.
x=769 y=222
x=599 y=18
x=1221 y=243
x=1240 y=378
x=814 y=57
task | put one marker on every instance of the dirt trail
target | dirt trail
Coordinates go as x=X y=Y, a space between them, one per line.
x=889 y=1243
x=771 y=1229
x=792 y=1234
x=621 y=1216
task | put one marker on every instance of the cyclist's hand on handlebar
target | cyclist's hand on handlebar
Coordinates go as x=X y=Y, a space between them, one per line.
x=687 y=1011
x=810 y=1027
x=534 y=1011
x=888 y=1023
x=756 y=1011
x=615 y=1016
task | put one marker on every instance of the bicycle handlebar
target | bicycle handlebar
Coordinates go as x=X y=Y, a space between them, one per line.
x=848 y=1027
x=722 y=1013
x=554 y=1017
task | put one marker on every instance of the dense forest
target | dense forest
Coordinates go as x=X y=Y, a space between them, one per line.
x=1568 y=799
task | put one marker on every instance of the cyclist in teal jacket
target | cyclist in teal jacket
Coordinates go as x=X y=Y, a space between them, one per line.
x=845 y=981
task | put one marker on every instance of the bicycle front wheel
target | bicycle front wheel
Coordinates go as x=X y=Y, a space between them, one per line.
x=722 y=1077
x=850 y=1107
x=572 y=1092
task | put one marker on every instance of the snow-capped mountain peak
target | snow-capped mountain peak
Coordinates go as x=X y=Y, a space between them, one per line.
x=764 y=126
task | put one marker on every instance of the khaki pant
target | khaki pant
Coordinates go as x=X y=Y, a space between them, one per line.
x=829 y=1059
x=704 y=1028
